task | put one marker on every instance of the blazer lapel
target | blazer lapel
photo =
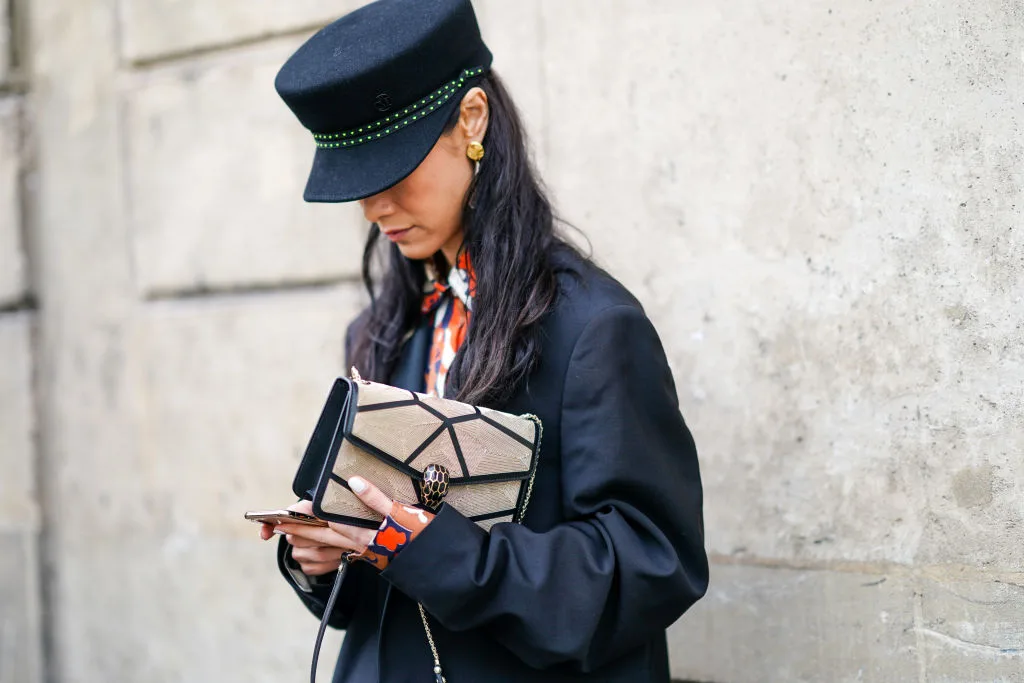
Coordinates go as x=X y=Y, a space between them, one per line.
x=411 y=371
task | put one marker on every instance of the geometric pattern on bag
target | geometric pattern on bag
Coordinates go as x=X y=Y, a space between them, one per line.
x=393 y=436
x=419 y=450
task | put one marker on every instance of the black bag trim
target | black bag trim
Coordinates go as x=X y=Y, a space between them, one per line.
x=347 y=407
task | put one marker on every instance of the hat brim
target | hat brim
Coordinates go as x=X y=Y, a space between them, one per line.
x=346 y=174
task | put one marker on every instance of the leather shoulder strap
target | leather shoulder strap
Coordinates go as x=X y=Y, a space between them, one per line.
x=335 y=591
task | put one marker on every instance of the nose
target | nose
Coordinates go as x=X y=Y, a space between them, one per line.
x=377 y=207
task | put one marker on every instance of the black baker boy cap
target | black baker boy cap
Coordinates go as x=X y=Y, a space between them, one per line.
x=376 y=88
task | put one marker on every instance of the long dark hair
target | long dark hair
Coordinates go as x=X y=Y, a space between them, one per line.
x=510 y=234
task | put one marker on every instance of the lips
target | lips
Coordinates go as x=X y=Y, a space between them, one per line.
x=396 y=234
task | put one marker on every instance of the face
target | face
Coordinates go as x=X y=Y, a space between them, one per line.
x=423 y=213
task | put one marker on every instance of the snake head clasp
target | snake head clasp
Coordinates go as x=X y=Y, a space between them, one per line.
x=434 y=486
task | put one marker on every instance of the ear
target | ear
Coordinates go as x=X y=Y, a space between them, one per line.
x=474 y=115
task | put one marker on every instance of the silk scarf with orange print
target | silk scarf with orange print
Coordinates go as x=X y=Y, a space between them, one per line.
x=451 y=303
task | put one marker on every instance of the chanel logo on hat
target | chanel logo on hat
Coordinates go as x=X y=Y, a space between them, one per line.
x=383 y=102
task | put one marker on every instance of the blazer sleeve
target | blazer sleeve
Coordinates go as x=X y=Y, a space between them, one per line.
x=631 y=558
x=358 y=582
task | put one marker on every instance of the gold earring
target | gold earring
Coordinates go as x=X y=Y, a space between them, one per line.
x=475 y=151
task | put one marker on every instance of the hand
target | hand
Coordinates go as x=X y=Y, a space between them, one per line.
x=318 y=550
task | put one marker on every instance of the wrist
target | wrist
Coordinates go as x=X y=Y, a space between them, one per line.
x=398 y=530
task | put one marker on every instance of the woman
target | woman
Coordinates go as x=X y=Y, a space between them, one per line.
x=481 y=300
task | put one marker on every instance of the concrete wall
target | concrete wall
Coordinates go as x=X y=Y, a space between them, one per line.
x=819 y=203
x=20 y=572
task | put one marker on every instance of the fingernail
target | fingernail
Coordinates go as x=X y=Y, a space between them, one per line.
x=357 y=484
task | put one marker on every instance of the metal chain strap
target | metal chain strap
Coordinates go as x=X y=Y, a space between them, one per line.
x=438 y=675
x=438 y=671
x=533 y=475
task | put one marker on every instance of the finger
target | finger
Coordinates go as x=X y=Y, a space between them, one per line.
x=303 y=506
x=317 y=554
x=320 y=536
x=341 y=544
x=300 y=542
x=266 y=531
x=372 y=497
x=338 y=535
x=319 y=568
x=316 y=534
x=360 y=537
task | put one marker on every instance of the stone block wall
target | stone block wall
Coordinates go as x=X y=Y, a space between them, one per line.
x=20 y=571
x=235 y=223
x=13 y=276
x=818 y=203
x=20 y=616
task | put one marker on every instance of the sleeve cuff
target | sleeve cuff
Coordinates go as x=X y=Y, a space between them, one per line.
x=302 y=582
x=398 y=530
x=447 y=542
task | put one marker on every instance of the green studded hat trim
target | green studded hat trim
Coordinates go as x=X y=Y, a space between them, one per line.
x=400 y=119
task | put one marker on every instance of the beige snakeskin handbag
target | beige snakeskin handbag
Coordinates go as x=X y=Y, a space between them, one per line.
x=419 y=450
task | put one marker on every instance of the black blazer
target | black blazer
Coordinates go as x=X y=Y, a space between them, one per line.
x=611 y=551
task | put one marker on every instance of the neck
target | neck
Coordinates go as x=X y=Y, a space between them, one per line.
x=451 y=249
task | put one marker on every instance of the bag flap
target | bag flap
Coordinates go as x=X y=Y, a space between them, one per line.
x=412 y=431
x=325 y=440
x=390 y=436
